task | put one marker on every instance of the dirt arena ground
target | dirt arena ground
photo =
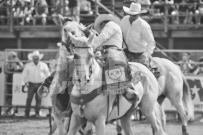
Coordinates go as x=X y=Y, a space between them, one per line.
x=23 y=126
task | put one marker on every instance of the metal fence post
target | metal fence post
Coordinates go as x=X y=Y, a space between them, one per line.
x=11 y=17
x=166 y=18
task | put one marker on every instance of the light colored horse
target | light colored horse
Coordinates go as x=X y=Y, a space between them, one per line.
x=58 y=87
x=88 y=76
x=173 y=85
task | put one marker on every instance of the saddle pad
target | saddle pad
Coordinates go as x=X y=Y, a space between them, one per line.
x=120 y=110
x=117 y=74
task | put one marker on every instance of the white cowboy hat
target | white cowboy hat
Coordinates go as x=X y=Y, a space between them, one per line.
x=135 y=8
x=104 y=17
x=35 y=54
x=12 y=54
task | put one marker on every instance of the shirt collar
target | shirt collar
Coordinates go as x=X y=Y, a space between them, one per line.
x=37 y=64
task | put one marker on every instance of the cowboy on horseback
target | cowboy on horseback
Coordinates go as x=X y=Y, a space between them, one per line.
x=109 y=42
x=137 y=35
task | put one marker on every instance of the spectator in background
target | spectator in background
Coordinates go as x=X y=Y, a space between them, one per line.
x=55 y=11
x=180 y=12
x=41 y=11
x=28 y=11
x=183 y=12
x=4 y=9
x=85 y=7
x=199 y=69
x=186 y=64
x=14 y=64
x=197 y=10
x=18 y=11
x=145 y=4
x=171 y=2
x=33 y=76
x=200 y=10
x=74 y=10
x=158 y=7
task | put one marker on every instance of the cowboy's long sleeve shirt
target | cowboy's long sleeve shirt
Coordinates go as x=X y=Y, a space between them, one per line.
x=35 y=73
x=111 y=34
x=138 y=36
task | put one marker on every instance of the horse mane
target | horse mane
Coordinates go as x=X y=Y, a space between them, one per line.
x=72 y=25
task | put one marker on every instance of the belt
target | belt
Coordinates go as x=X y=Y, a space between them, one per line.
x=34 y=83
x=111 y=47
x=136 y=54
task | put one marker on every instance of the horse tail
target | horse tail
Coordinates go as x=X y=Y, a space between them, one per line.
x=187 y=99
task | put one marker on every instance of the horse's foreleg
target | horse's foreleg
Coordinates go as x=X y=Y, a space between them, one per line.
x=60 y=125
x=100 y=126
x=75 y=123
x=118 y=127
x=163 y=118
x=125 y=122
x=54 y=127
x=67 y=123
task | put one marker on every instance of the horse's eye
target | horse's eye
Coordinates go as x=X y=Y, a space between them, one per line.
x=73 y=32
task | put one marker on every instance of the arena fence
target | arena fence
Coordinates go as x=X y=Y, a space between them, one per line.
x=14 y=97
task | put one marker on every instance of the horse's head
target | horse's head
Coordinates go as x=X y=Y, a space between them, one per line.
x=83 y=54
x=73 y=27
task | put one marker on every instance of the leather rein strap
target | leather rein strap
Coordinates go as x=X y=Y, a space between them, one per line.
x=85 y=98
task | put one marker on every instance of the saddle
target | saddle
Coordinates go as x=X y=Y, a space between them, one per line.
x=116 y=79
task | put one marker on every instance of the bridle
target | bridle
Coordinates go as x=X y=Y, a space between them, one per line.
x=89 y=58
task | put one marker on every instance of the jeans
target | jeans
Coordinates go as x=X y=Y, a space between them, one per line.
x=32 y=90
x=137 y=57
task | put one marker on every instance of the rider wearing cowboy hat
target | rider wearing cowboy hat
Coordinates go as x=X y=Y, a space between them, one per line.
x=137 y=35
x=109 y=41
x=33 y=75
x=110 y=33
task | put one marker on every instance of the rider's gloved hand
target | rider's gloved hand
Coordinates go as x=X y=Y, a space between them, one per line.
x=146 y=54
x=147 y=58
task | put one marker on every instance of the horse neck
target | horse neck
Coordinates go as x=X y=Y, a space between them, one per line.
x=96 y=70
x=95 y=78
x=62 y=60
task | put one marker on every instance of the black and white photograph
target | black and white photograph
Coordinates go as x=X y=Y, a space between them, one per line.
x=101 y=67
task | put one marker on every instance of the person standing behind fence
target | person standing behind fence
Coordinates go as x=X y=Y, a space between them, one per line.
x=34 y=74
x=41 y=11
x=186 y=64
x=74 y=9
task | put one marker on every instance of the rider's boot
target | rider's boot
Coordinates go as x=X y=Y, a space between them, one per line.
x=155 y=71
x=131 y=95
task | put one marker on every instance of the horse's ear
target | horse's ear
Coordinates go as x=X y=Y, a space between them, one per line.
x=82 y=27
x=91 y=37
x=78 y=41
